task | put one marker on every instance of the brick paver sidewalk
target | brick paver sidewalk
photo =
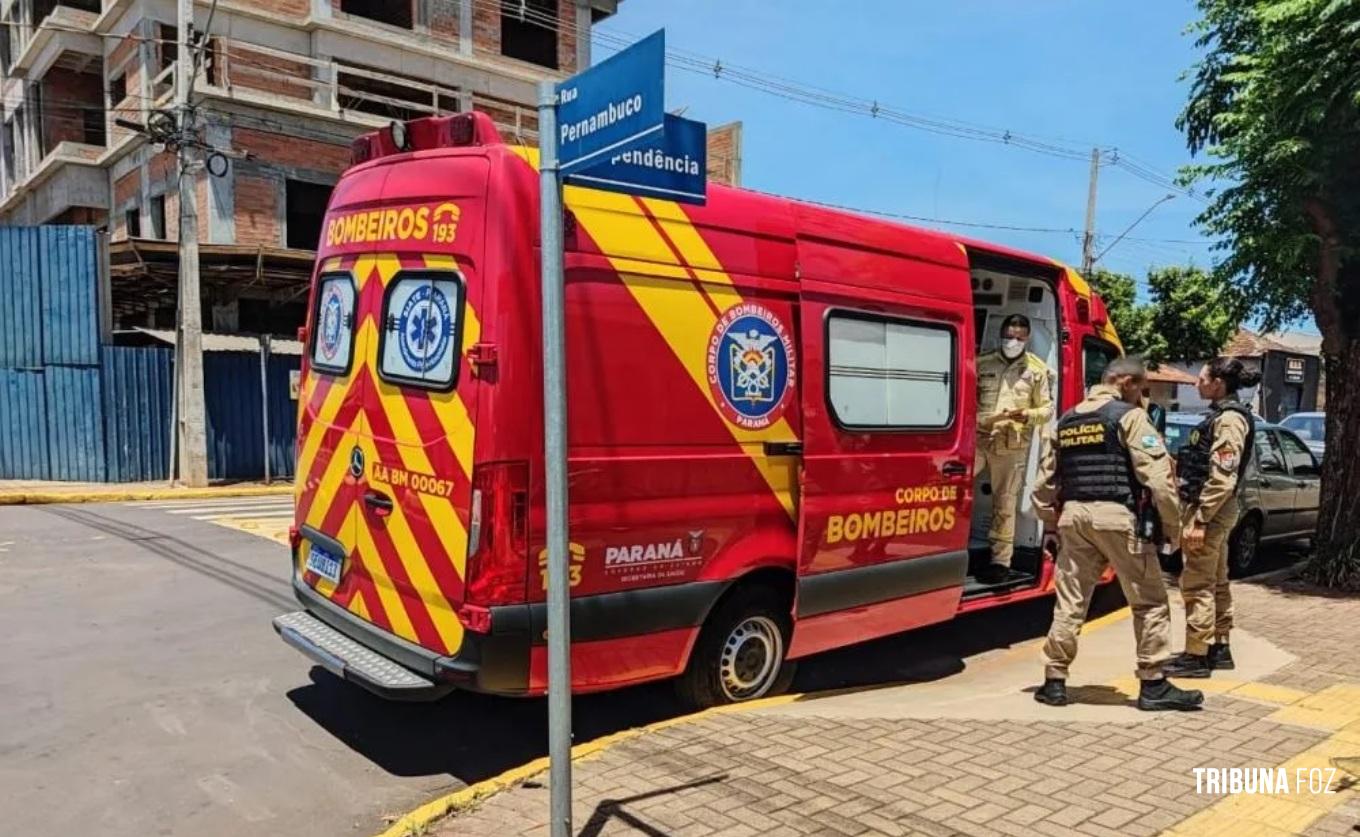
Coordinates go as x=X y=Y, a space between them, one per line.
x=768 y=773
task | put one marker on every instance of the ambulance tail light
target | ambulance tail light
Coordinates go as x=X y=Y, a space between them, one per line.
x=1083 y=310
x=498 y=535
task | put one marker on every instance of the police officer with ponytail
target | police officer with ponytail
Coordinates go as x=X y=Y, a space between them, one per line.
x=1210 y=469
x=1103 y=454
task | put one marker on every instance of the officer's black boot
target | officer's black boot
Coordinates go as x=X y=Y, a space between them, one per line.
x=1053 y=692
x=1158 y=695
x=1190 y=665
x=1220 y=658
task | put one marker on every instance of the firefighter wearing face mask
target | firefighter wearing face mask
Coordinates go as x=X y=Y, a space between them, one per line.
x=1014 y=398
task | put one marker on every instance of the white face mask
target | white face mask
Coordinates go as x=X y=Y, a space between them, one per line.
x=1012 y=348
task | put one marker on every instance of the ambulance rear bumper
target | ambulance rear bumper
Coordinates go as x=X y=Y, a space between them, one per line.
x=395 y=669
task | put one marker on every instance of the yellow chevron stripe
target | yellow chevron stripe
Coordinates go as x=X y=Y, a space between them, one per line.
x=357 y=606
x=325 y=415
x=387 y=591
x=680 y=314
x=412 y=558
x=328 y=488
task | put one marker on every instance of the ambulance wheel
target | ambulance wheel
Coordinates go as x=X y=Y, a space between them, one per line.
x=740 y=652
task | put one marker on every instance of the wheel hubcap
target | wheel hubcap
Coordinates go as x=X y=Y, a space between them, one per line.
x=750 y=659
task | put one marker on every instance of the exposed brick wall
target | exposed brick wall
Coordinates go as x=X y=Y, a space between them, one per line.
x=66 y=96
x=289 y=8
x=268 y=73
x=126 y=188
x=257 y=211
x=283 y=150
x=486 y=27
x=163 y=168
x=442 y=17
x=724 y=154
x=566 y=35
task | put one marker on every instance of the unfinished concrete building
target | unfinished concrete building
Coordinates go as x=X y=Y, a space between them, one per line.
x=283 y=87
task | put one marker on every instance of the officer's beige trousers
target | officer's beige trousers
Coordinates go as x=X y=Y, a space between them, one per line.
x=1093 y=536
x=1006 y=472
x=1204 y=584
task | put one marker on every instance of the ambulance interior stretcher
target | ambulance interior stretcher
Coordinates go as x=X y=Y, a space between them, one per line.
x=999 y=290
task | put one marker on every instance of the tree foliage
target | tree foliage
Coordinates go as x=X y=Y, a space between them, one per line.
x=1191 y=313
x=1274 y=107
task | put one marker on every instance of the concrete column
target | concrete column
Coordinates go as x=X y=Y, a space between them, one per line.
x=582 y=35
x=221 y=190
x=465 y=27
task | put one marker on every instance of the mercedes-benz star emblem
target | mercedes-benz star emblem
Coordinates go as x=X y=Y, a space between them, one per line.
x=356 y=463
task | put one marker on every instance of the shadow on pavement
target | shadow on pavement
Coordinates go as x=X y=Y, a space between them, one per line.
x=473 y=737
x=467 y=736
x=613 y=809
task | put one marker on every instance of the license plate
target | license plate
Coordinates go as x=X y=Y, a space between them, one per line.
x=323 y=564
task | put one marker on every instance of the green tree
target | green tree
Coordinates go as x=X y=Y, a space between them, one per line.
x=1275 y=108
x=1190 y=313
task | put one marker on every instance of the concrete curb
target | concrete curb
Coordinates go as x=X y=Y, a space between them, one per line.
x=22 y=498
x=417 y=821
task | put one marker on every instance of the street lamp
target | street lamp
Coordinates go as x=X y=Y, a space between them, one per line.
x=1120 y=238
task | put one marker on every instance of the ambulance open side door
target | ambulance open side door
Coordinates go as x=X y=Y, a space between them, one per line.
x=888 y=397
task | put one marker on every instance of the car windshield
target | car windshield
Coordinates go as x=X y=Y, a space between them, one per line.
x=1310 y=428
x=1176 y=436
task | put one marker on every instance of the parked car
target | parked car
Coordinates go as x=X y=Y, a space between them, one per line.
x=1311 y=428
x=1280 y=491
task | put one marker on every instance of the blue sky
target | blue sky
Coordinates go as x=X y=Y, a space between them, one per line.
x=1091 y=72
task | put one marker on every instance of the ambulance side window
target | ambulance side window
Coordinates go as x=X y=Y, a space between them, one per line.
x=890 y=374
x=333 y=337
x=422 y=334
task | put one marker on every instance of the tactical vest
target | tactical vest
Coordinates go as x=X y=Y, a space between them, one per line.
x=1193 y=463
x=1093 y=463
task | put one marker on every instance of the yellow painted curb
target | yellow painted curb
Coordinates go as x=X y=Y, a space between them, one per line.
x=21 y=498
x=421 y=818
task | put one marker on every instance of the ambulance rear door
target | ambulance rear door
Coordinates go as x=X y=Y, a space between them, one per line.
x=888 y=401
x=422 y=288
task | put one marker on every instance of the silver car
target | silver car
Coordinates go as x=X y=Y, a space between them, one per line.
x=1311 y=428
x=1279 y=492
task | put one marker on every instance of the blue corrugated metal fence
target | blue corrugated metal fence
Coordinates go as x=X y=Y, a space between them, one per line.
x=138 y=390
x=51 y=405
x=71 y=409
x=231 y=381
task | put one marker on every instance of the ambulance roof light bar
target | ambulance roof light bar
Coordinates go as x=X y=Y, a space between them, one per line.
x=454 y=131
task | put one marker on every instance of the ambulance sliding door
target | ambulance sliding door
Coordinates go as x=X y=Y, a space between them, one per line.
x=888 y=399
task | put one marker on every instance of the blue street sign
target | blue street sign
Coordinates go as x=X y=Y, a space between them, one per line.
x=613 y=105
x=671 y=165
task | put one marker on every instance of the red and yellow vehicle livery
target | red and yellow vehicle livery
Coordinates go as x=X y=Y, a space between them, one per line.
x=771 y=427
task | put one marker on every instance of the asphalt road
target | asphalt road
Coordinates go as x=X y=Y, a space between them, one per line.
x=143 y=691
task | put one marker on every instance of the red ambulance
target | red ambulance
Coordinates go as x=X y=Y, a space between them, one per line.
x=772 y=418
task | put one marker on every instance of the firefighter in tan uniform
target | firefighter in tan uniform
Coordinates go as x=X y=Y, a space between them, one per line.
x=1013 y=399
x=1094 y=465
x=1210 y=470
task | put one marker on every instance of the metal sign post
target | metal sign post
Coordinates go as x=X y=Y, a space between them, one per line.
x=610 y=122
x=555 y=461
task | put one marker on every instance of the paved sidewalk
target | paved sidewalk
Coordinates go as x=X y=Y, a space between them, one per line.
x=30 y=492
x=973 y=754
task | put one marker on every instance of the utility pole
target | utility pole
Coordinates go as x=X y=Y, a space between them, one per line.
x=1088 y=242
x=193 y=444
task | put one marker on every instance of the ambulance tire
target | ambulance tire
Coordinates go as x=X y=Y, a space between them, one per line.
x=740 y=652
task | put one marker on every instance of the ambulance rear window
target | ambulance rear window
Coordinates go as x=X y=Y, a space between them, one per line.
x=421 y=341
x=333 y=340
x=890 y=374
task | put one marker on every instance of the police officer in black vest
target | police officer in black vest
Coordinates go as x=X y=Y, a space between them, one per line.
x=1102 y=455
x=1210 y=469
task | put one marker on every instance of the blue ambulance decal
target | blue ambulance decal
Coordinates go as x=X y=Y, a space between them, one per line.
x=751 y=366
